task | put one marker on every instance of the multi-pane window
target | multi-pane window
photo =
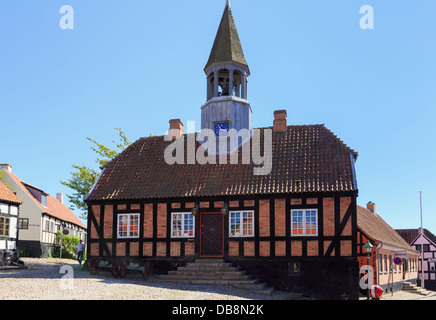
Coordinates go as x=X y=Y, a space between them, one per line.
x=380 y=263
x=128 y=225
x=241 y=224
x=304 y=222
x=4 y=227
x=23 y=223
x=182 y=225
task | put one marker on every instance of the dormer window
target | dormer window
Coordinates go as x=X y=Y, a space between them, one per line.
x=44 y=200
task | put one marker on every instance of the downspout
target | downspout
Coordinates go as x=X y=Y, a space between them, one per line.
x=378 y=267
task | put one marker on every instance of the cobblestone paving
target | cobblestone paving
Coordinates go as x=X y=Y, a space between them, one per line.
x=43 y=280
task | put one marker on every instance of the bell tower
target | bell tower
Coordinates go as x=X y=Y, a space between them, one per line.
x=227 y=71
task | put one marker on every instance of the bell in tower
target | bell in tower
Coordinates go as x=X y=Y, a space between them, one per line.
x=227 y=109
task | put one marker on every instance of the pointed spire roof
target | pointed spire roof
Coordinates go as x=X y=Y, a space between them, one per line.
x=227 y=46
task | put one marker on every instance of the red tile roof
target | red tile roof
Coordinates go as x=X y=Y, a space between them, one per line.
x=304 y=159
x=376 y=228
x=54 y=207
x=8 y=196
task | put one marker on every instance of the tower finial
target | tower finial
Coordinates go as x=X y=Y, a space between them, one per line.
x=228 y=3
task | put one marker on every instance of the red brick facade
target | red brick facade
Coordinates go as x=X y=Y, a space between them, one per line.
x=271 y=235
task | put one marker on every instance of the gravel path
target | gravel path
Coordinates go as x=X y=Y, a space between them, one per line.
x=43 y=280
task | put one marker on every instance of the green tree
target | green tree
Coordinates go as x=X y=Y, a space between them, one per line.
x=69 y=244
x=2 y=174
x=84 y=177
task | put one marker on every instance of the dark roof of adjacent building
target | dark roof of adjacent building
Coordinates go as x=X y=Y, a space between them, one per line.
x=8 y=196
x=304 y=159
x=227 y=45
x=411 y=234
x=376 y=228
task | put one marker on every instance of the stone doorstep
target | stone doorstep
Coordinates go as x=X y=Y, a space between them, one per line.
x=205 y=277
x=409 y=287
x=208 y=264
x=215 y=272
x=201 y=273
x=207 y=268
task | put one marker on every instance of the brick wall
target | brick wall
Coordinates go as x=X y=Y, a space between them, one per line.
x=249 y=248
x=148 y=220
x=134 y=249
x=96 y=213
x=175 y=249
x=189 y=249
x=233 y=249
x=162 y=220
x=280 y=218
x=108 y=217
x=264 y=248
x=280 y=248
x=329 y=216
x=264 y=223
x=345 y=203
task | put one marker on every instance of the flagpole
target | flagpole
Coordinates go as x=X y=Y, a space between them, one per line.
x=422 y=243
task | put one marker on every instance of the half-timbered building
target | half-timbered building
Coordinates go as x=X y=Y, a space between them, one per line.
x=9 y=213
x=293 y=226
x=41 y=217
x=425 y=243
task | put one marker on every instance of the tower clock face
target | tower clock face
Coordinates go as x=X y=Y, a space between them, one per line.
x=222 y=129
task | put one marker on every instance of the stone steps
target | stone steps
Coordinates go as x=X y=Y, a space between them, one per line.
x=409 y=287
x=205 y=276
x=215 y=272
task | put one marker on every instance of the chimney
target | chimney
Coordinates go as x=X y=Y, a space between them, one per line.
x=176 y=128
x=280 y=121
x=6 y=166
x=60 y=197
x=371 y=207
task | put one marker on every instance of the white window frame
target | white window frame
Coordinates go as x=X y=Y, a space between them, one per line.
x=241 y=224
x=173 y=214
x=128 y=215
x=304 y=223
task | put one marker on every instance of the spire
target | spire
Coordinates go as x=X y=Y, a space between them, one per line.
x=227 y=46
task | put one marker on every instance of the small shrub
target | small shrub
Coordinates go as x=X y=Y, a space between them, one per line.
x=23 y=253
x=68 y=246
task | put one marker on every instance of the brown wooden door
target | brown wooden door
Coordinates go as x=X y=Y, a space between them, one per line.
x=212 y=235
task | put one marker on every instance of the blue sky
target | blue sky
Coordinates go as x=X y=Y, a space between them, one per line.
x=135 y=64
